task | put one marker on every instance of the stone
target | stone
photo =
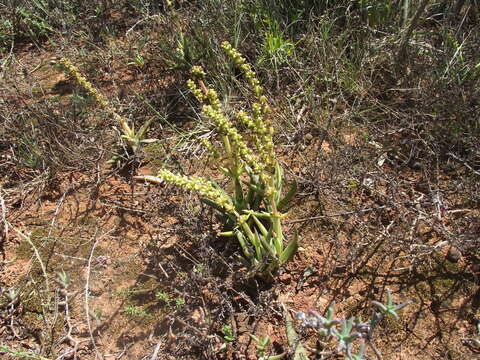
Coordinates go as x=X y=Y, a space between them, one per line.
x=453 y=255
x=285 y=278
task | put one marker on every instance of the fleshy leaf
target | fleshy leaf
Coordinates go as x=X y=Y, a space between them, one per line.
x=288 y=197
x=213 y=204
x=292 y=337
x=290 y=250
x=260 y=226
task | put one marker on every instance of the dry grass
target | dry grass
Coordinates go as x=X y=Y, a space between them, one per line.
x=385 y=153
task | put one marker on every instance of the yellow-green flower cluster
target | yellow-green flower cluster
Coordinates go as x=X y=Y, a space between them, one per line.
x=197 y=72
x=212 y=98
x=240 y=146
x=260 y=108
x=241 y=63
x=263 y=137
x=263 y=161
x=128 y=133
x=265 y=133
x=84 y=82
x=249 y=74
x=201 y=97
x=210 y=147
x=200 y=185
x=213 y=110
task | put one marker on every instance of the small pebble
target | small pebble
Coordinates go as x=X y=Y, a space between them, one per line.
x=285 y=278
x=454 y=255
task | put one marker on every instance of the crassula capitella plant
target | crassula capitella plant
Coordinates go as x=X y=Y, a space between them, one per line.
x=134 y=139
x=254 y=209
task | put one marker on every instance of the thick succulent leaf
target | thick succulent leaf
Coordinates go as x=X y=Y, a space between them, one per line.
x=246 y=250
x=239 y=198
x=250 y=196
x=225 y=171
x=288 y=197
x=261 y=215
x=254 y=187
x=144 y=128
x=268 y=247
x=226 y=234
x=300 y=352
x=254 y=338
x=292 y=337
x=277 y=238
x=278 y=181
x=148 y=141
x=278 y=174
x=290 y=250
x=258 y=245
x=213 y=204
x=260 y=226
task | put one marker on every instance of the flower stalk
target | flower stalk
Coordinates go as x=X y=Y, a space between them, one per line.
x=133 y=139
